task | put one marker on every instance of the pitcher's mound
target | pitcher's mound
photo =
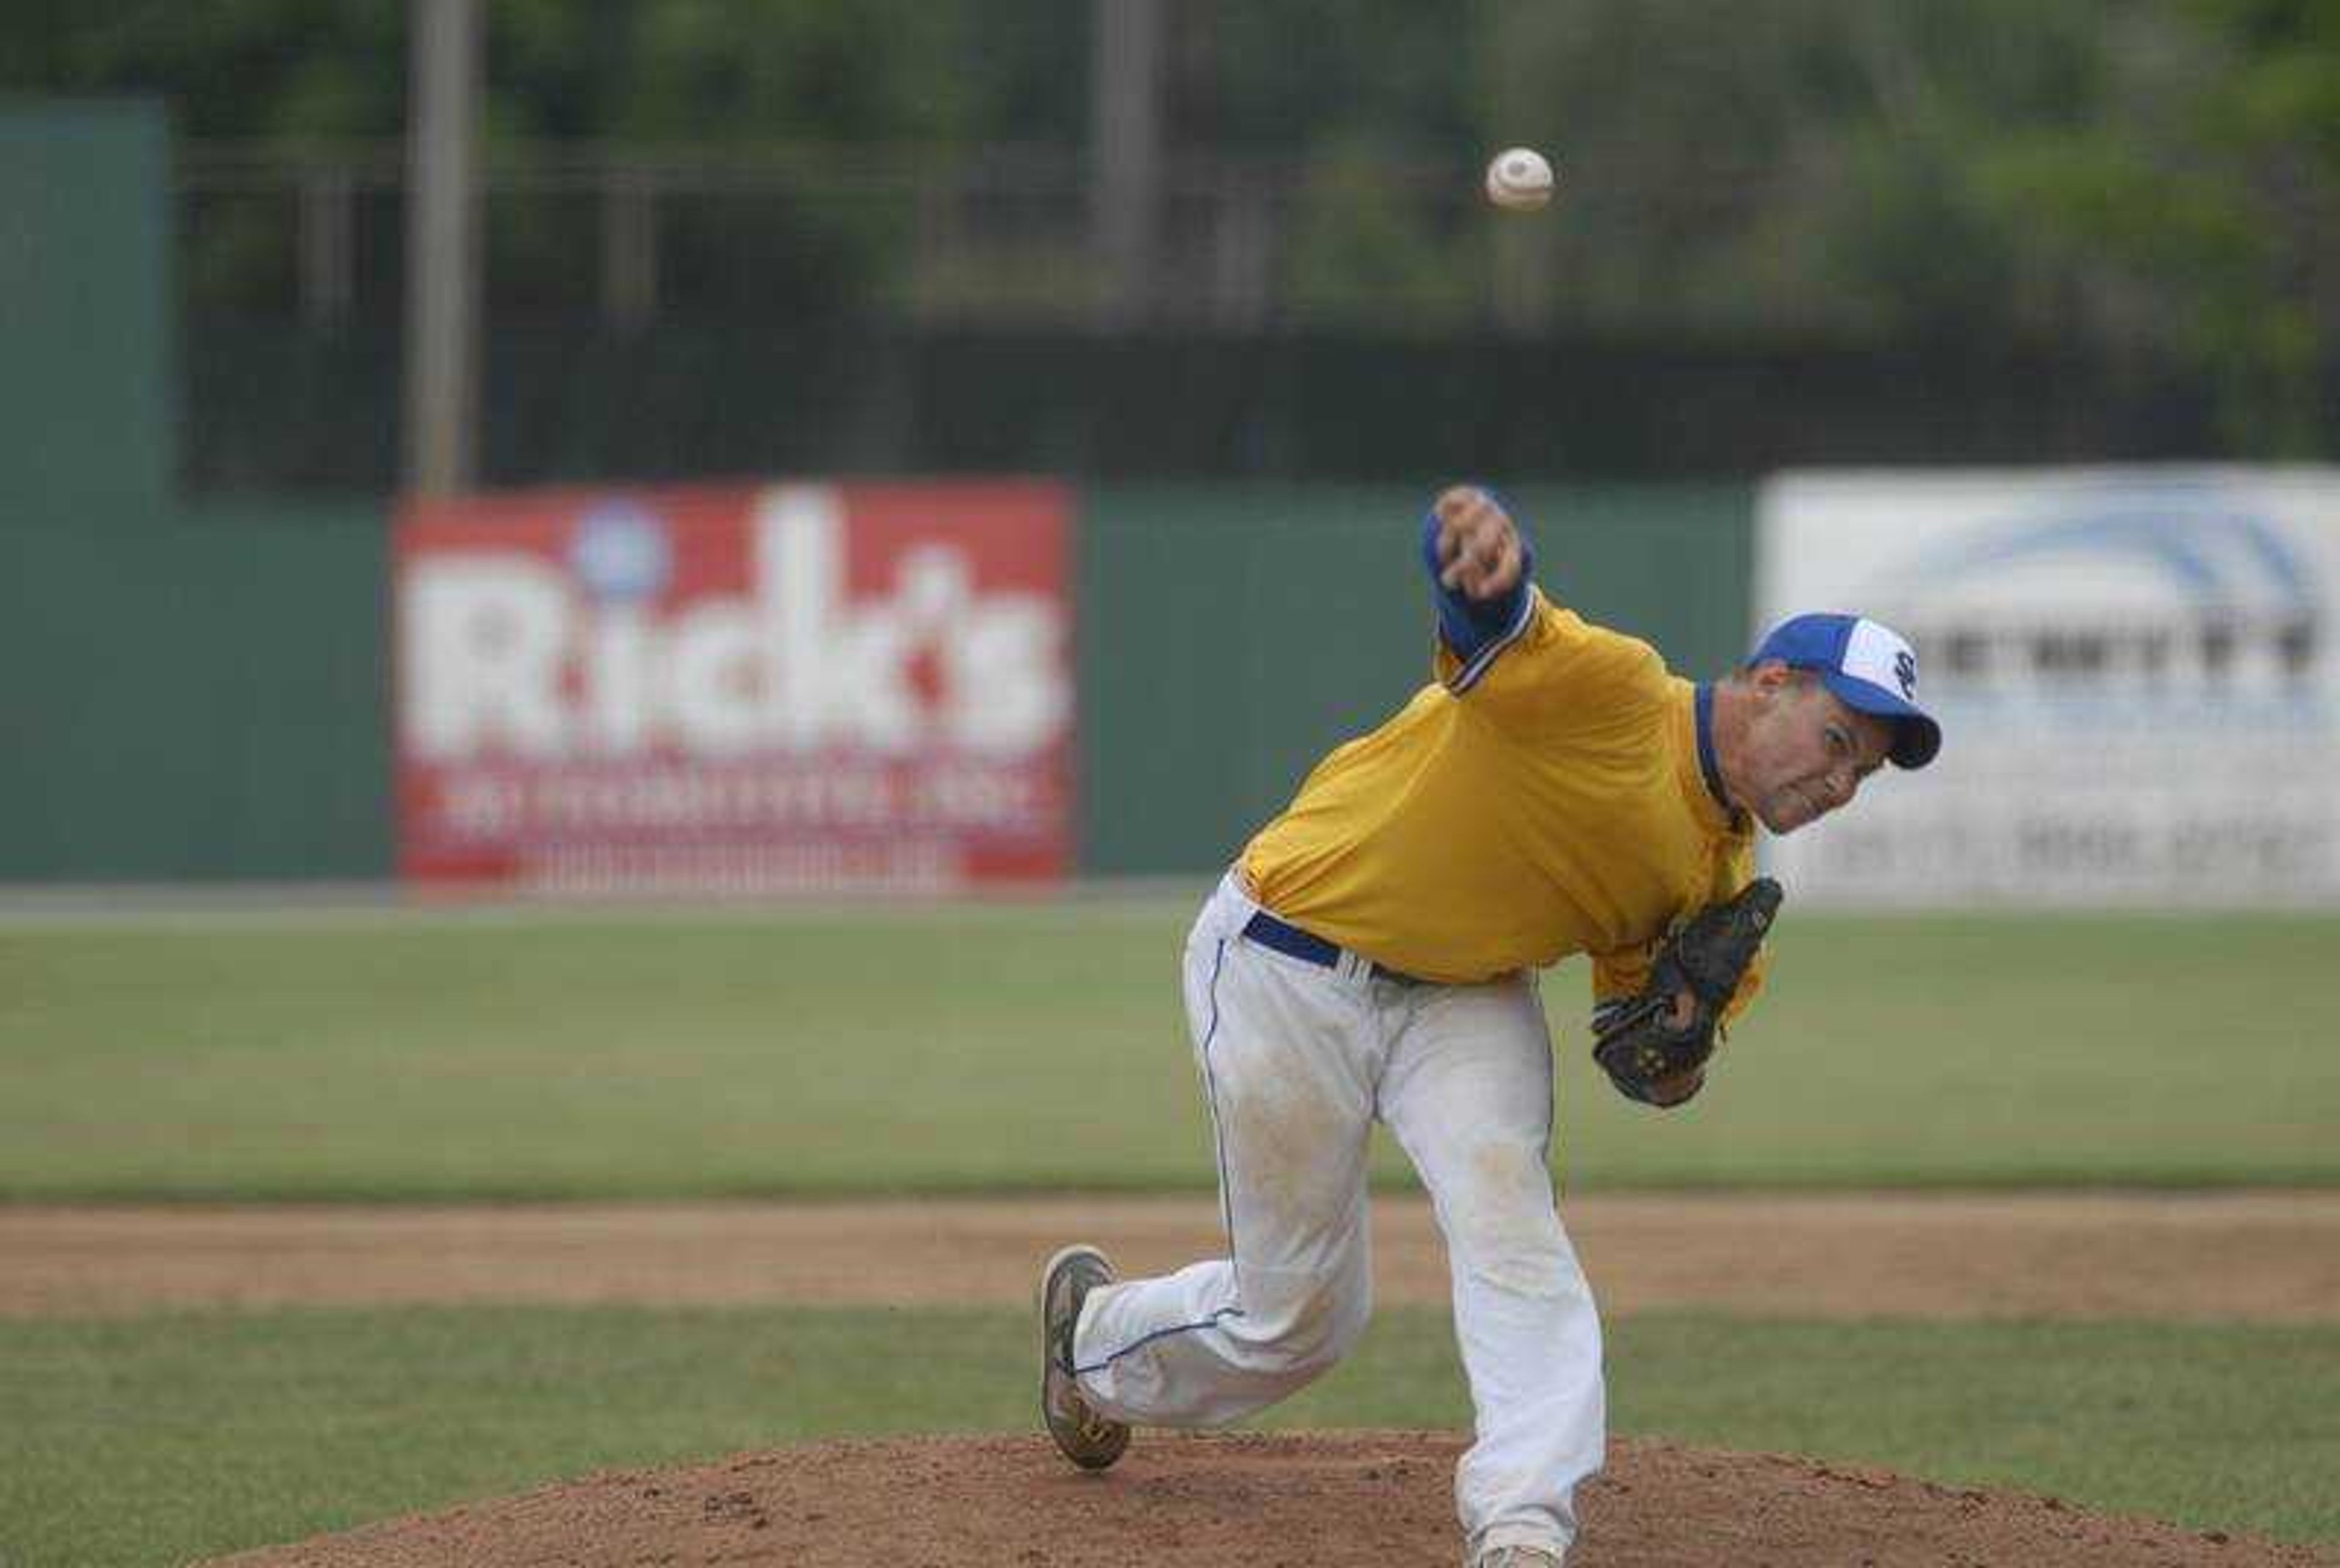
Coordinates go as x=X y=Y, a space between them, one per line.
x=1248 y=1502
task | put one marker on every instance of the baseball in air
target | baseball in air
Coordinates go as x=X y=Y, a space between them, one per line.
x=1519 y=179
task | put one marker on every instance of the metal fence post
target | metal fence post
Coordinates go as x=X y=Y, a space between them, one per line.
x=442 y=249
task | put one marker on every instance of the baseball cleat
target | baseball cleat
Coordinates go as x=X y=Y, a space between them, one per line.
x=1087 y=1439
x=1520 y=1557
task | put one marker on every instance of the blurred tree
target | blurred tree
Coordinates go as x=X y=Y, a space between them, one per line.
x=721 y=72
x=229 y=68
x=697 y=78
x=2139 y=178
x=735 y=73
x=1362 y=249
x=2200 y=206
x=1283 y=80
x=2150 y=179
x=732 y=79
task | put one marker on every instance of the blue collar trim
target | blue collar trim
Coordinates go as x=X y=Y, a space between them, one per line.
x=1706 y=764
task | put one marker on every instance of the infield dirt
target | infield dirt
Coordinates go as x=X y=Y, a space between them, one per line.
x=2264 y=1256
x=1240 y=1501
x=1288 y=1500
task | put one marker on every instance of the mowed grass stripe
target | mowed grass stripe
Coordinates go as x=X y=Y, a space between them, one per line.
x=164 y=1438
x=1041 y=1047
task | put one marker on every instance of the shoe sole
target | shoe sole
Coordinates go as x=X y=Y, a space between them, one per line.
x=1063 y=1256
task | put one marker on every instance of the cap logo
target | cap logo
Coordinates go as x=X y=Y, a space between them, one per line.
x=1905 y=670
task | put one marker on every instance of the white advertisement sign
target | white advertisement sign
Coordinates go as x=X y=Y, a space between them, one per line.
x=2134 y=671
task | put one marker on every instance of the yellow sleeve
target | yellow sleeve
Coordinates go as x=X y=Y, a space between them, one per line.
x=1619 y=976
x=1557 y=673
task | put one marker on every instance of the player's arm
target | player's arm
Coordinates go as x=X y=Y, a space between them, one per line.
x=1525 y=664
x=1479 y=564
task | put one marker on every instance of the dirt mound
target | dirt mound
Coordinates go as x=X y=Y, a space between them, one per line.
x=1248 y=1502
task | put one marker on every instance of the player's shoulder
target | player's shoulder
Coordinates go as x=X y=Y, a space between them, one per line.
x=1596 y=652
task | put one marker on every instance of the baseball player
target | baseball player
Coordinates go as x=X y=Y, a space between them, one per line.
x=1372 y=957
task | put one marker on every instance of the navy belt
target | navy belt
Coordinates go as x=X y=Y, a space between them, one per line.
x=1307 y=947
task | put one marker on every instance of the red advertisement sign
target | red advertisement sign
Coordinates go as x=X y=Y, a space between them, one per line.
x=793 y=687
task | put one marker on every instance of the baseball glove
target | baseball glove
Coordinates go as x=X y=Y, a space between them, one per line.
x=1640 y=1042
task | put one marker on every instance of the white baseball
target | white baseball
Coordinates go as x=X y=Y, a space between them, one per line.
x=1520 y=178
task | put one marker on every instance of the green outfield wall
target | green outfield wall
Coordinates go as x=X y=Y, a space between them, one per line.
x=202 y=693
x=1230 y=636
x=194 y=696
x=185 y=691
x=87 y=380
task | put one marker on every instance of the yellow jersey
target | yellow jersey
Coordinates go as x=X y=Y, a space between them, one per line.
x=1547 y=797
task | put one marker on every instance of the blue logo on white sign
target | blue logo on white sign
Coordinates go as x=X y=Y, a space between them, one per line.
x=2167 y=585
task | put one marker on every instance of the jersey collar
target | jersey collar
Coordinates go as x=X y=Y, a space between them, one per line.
x=1694 y=761
x=1707 y=765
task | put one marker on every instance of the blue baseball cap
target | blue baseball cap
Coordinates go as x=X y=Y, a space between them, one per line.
x=1870 y=667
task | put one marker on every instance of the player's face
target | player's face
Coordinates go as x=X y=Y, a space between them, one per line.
x=1806 y=754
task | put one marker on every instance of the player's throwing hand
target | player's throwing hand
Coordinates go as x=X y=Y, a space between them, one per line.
x=1478 y=544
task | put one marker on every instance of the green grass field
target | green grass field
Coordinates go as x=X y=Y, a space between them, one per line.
x=858 y=1050
x=346 y=1056
x=157 y=1439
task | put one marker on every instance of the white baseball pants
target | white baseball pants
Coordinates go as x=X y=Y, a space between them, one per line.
x=1298 y=1061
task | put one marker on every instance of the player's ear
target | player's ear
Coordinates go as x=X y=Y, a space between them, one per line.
x=1769 y=679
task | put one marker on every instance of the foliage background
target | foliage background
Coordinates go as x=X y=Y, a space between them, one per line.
x=2148 y=188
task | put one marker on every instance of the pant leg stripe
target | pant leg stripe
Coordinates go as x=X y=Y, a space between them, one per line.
x=1210 y=1321
x=1218 y=1136
x=1226 y=1212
